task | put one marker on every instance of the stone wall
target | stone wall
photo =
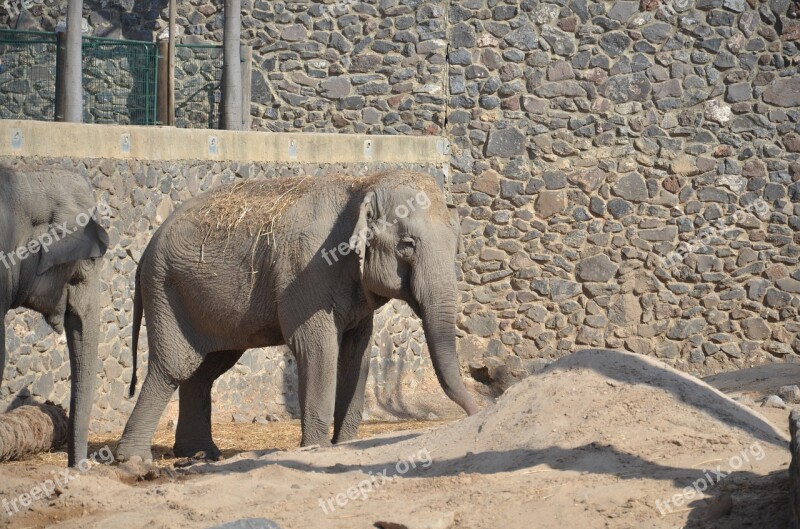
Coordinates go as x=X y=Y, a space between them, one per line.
x=628 y=177
x=264 y=383
x=627 y=172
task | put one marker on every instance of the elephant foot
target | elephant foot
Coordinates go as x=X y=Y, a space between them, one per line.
x=321 y=442
x=197 y=450
x=344 y=436
x=130 y=452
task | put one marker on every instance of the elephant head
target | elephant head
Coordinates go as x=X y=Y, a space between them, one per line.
x=407 y=241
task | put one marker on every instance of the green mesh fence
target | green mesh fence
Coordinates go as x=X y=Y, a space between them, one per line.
x=198 y=78
x=119 y=81
x=27 y=75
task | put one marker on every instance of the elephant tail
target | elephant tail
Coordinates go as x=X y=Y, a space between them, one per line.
x=137 y=325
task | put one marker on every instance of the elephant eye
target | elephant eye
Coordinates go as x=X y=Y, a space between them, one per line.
x=406 y=247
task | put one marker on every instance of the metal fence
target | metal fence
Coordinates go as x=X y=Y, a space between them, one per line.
x=198 y=81
x=120 y=81
x=27 y=75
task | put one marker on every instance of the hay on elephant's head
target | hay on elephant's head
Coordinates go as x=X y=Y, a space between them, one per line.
x=248 y=210
x=252 y=205
x=255 y=205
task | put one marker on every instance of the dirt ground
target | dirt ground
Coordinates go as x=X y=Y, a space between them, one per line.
x=598 y=439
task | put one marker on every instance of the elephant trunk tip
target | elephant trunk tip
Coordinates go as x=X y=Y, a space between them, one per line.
x=468 y=404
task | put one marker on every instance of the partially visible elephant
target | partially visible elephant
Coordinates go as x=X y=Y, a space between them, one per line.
x=50 y=244
x=300 y=261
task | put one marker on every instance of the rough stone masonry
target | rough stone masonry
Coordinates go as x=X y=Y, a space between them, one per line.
x=590 y=141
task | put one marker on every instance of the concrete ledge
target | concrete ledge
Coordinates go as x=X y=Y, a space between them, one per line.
x=75 y=140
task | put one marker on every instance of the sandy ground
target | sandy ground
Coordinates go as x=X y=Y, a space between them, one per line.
x=598 y=439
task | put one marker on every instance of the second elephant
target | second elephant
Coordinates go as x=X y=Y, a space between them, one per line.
x=50 y=250
x=299 y=261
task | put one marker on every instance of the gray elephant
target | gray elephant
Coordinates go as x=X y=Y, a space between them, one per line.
x=50 y=243
x=300 y=261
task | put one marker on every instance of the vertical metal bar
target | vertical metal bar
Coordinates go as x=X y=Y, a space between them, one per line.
x=61 y=50
x=163 y=83
x=154 y=86
x=246 y=53
x=172 y=35
x=73 y=70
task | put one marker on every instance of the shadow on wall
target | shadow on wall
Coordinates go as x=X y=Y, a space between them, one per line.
x=402 y=383
x=289 y=385
x=127 y=19
x=22 y=398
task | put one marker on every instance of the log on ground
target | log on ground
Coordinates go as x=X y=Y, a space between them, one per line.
x=31 y=429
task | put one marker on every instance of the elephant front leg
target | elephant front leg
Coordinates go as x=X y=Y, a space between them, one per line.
x=315 y=344
x=351 y=381
x=81 y=325
x=193 y=433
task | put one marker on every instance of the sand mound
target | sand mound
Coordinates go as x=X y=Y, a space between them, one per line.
x=595 y=410
x=598 y=439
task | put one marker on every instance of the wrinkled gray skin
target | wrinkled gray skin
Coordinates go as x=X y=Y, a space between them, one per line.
x=204 y=305
x=61 y=283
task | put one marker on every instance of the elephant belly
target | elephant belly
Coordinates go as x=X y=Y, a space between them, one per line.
x=234 y=331
x=266 y=338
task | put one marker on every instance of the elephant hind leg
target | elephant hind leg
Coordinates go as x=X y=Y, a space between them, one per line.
x=193 y=433
x=153 y=398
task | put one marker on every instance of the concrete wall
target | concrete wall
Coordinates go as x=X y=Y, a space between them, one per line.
x=141 y=193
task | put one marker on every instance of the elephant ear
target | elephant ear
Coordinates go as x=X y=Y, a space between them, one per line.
x=455 y=220
x=366 y=218
x=76 y=243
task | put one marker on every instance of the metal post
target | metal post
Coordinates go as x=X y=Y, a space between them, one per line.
x=246 y=53
x=232 y=66
x=162 y=115
x=73 y=65
x=171 y=72
x=61 y=93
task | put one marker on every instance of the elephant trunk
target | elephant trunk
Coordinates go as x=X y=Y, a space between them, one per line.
x=437 y=309
x=82 y=322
